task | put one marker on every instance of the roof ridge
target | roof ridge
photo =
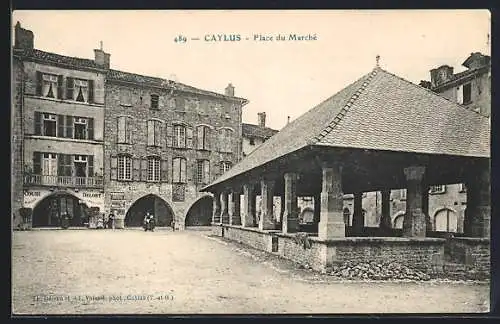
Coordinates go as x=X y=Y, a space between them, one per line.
x=434 y=93
x=341 y=114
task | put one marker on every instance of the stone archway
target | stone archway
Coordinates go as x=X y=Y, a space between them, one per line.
x=48 y=212
x=200 y=212
x=153 y=204
x=446 y=220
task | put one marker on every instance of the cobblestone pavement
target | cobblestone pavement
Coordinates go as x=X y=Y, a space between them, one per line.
x=164 y=272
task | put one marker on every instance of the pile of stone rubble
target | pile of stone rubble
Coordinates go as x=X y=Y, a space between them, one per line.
x=376 y=271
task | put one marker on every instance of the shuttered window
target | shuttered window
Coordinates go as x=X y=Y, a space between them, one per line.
x=179 y=170
x=124 y=167
x=153 y=168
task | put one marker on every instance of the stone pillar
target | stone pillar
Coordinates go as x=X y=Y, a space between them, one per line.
x=266 y=221
x=478 y=211
x=290 y=222
x=425 y=207
x=331 y=219
x=414 y=219
x=358 y=219
x=248 y=214
x=224 y=215
x=385 y=219
x=317 y=207
x=234 y=208
x=216 y=208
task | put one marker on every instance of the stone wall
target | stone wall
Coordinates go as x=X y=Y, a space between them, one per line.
x=474 y=253
x=17 y=138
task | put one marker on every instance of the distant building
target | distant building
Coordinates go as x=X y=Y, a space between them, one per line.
x=254 y=135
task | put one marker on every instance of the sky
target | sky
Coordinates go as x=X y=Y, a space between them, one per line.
x=280 y=78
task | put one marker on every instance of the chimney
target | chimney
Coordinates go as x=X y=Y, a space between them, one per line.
x=23 y=38
x=441 y=75
x=230 y=90
x=101 y=57
x=476 y=60
x=262 y=119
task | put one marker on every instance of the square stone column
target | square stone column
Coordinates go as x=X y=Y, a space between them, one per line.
x=425 y=207
x=385 y=219
x=478 y=211
x=216 y=208
x=266 y=221
x=248 y=214
x=331 y=219
x=290 y=217
x=358 y=219
x=224 y=215
x=234 y=208
x=414 y=224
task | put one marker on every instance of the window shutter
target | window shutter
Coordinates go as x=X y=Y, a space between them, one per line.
x=38 y=83
x=206 y=171
x=175 y=170
x=69 y=126
x=164 y=170
x=195 y=179
x=151 y=134
x=136 y=176
x=61 y=159
x=60 y=126
x=69 y=165
x=217 y=168
x=70 y=84
x=128 y=128
x=90 y=128
x=157 y=133
x=60 y=87
x=189 y=137
x=169 y=131
x=183 y=170
x=114 y=168
x=38 y=123
x=90 y=165
x=208 y=138
x=199 y=137
x=91 y=91
x=144 y=170
x=37 y=163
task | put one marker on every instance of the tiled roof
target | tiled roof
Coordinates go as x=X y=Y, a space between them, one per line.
x=56 y=58
x=251 y=130
x=159 y=82
x=380 y=111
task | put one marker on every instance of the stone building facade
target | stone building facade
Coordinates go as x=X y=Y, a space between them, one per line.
x=58 y=122
x=164 y=141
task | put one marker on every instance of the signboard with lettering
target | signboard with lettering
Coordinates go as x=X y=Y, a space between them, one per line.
x=32 y=197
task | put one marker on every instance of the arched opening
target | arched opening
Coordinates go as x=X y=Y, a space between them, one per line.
x=200 y=213
x=307 y=216
x=398 y=221
x=49 y=211
x=445 y=220
x=153 y=204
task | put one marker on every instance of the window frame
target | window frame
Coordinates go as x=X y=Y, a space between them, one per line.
x=182 y=172
x=437 y=189
x=50 y=119
x=154 y=169
x=125 y=169
x=179 y=137
x=154 y=98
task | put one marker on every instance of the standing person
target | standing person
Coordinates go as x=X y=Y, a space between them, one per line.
x=173 y=225
x=111 y=220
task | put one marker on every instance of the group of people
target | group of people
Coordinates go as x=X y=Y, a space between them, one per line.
x=149 y=222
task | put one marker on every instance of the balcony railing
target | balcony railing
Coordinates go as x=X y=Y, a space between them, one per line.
x=65 y=181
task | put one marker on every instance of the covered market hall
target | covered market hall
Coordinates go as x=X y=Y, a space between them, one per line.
x=378 y=134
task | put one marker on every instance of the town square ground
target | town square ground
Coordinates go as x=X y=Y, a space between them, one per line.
x=189 y=272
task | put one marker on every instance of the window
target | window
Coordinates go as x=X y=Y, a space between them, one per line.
x=80 y=165
x=437 y=189
x=203 y=171
x=226 y=140
x=124 y=129
x=402 y=194
x=154 y=127
x=80 y=125
x=179 y=136
x=124 y=167
x=153 y=169
x=224 y=166
x=467 y=93
x=203 y=137
x=179 y=170
x=49 y=125
x=49 y=164
x=154 y=101
x=50 y=86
